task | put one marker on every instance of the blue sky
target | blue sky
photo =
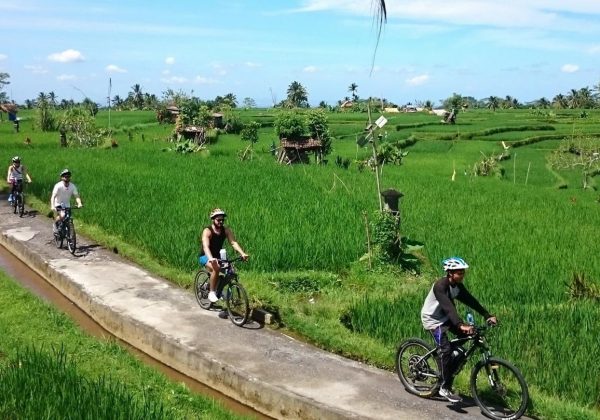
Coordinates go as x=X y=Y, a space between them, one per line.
x=428 y=50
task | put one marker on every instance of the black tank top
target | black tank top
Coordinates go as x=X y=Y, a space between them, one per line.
x=216 y=242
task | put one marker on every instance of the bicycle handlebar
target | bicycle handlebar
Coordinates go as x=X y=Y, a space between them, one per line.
x=236 y=259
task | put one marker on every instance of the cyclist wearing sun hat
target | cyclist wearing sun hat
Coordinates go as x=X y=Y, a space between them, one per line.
x=439 y=316
x=212 y=240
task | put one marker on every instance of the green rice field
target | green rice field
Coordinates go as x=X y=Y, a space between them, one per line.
x=525 y=238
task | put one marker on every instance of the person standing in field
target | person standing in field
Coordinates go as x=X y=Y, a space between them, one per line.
x=61 y=196
x=212 y=240
x=439 y=316
x=15 y=175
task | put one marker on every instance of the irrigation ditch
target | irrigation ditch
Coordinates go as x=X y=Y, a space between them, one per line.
x=37 y=285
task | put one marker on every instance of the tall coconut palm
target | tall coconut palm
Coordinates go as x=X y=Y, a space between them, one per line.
x=493 y=102
x=352 y=89
x=52 y=98
x=560 y=101
x=137 y=96
x=297 y=96
x=542 y=103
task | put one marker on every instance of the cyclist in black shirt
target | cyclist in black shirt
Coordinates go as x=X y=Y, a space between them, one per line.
x=212 y=239
x=439 y=315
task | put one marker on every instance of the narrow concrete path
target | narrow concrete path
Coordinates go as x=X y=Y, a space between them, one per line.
x=269 y=371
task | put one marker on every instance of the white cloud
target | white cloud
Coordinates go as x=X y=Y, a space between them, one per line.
x=310 y=69
x=252 y=64
x=594 y=49
x=3 y=57
x=64 y=77
x=113 y=68
x=569 y=68
x=174 y=79
x=36 y=69
x=204 y=80
x=166 y=72
x=67 y=56
x=418 y=80
x=170 y=60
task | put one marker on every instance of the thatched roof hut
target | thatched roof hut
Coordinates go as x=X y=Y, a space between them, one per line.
x=9 y=108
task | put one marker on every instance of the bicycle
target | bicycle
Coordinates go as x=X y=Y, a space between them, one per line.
x=228 y=287
x=18 y=198
x=66 y=230
x=498 y=387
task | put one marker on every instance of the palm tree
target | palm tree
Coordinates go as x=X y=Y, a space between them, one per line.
x=52 y=98
x=117 y=102
x=231 y=100
x=42 y=98
x=297 y=95
x=493 y=102
x=137 y=97
x=543 y=103
x=585 y=97
x=573 y=99
x=352 y=89
x=560 y=101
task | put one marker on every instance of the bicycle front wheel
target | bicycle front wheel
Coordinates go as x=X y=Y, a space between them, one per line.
x=499 y=389
x=201 y=289
x=14 y=203
x=417 y=367
x=71 y=237
x=237 y=304
x=21 y=205
x=59 y=236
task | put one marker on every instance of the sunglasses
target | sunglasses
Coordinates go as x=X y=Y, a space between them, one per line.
x=220 y=219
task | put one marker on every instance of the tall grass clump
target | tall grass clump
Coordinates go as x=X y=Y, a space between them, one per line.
x=37 y=384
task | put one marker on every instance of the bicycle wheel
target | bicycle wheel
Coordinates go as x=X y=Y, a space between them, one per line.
x=21 y=205
x=14 y=203
x=59 y=236
x=71 y=237
x=237 y=304
x=499 y=389
x=417 y=367
x=201 y=288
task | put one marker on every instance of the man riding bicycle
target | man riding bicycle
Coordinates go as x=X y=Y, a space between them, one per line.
x=61 y=196
x=15 y=175
x=439 y=316
x=211 y=242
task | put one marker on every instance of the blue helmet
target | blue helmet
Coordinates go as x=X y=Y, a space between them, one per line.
x=454 y=263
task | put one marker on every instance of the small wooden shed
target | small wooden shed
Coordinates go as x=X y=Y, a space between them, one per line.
x=297 y=150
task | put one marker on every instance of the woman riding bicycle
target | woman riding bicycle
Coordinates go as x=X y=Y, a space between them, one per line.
x=211 y=242
x=439 y=316
x=15 y=175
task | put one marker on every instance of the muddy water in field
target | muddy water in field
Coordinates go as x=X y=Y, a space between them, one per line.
x=29 y=279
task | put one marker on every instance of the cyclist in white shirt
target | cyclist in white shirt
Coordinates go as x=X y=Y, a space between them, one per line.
x=61 y=195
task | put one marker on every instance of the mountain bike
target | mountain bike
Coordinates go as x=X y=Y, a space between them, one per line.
x=229 y=289
x=498 y=387
x=65 y=230
x=18 y=198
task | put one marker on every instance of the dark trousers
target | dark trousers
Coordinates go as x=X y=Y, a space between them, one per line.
x=447 y=365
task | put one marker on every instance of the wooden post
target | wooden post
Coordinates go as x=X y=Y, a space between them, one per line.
x=368 y=239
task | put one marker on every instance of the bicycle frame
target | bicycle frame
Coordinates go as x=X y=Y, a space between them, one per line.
x=62 y=228
x=227 y=274
x=478 y=343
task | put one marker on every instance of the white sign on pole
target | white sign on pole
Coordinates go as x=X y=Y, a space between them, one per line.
x=381 y=121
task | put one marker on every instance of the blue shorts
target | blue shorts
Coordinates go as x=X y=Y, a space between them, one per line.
x=202 y=259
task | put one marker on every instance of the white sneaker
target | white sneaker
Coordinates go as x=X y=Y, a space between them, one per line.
x=212 y=296
x=449 y=395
